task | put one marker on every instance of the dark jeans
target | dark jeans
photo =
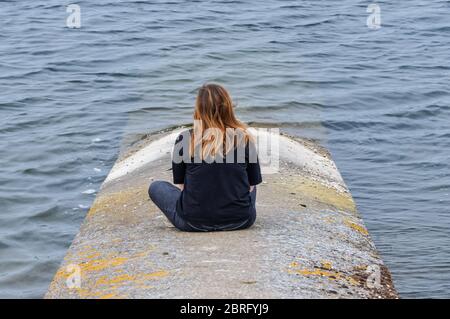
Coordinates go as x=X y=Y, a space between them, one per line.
x=165 y=195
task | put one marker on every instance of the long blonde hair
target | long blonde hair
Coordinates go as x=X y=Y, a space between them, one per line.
x=214 y=110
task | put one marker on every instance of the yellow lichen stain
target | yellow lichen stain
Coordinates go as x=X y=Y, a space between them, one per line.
x=318 y=192
x=352 y=281
x=88 y=294
x=92 y=256
x=325 y=270
x=100 y=264
x=140 y=278
x=115 y=200
x=85 y=293
x=156 y=274
x=142 y=254
x=318 y=272
x=104 y=287
x=104 y=280
x=360 y=268
x=110 y=296
x=92 y=263
x=61 y=274
x=88 y=252
x=358 y=228
x=327 y=265
x=91 y=266
x=293 y=264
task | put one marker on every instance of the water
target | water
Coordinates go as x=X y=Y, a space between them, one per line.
x=378 y=99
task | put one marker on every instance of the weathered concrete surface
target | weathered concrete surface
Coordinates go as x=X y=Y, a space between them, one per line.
x=308 y=240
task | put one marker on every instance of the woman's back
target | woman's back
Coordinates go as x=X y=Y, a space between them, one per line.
x=218 y=193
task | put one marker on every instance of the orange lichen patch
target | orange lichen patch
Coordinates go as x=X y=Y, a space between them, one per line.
x=138 y=278
x=327 y=265
x=100 y=264
x=93 y=255
x=156 y=274
x=293 y=264
x=104 y=287
x=352 y=281
x=88 y=252
x=325 y=270
x=330 y=274
x=110 y=296
x=318 y=272
x=88 y=260
x=146 y=252
x=360 y=268
x=104 y=280
x=86 y=293
x=61 y=274
x=91 y=266
x=357 y=227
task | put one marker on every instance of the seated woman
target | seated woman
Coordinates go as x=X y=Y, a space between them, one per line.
x=215 y=170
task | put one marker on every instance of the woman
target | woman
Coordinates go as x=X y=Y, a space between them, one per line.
x=215 y=170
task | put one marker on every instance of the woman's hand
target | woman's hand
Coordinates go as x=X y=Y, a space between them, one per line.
x=251 y=188
x=180 y=186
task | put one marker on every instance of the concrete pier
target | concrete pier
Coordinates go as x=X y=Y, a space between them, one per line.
x=308 y=241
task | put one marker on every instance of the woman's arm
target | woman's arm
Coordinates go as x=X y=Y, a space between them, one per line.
x=178 y=165
x=253 y=168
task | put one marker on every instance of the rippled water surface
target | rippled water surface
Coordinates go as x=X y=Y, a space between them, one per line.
x=378 y=99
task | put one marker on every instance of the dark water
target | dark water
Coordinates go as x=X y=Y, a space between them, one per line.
x=378 y=99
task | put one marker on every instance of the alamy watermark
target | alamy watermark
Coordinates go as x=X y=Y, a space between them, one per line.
x=73 y=21
x=374 y=19
x=73 y=280
x=373 y=281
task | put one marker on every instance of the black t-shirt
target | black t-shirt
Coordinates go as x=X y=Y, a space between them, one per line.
x=215 y=193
